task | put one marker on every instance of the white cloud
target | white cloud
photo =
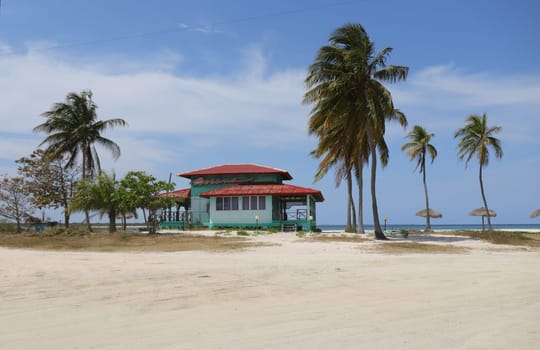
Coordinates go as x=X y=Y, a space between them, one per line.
x=262 y=109
x=441 y=97
x=200 y=28
x=13 y=147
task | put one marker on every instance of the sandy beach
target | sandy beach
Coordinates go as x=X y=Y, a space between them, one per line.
x=295 y=294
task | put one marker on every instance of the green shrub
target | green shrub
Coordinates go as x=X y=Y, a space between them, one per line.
x=350 y=230
x=404 y=233
x=300 y=233
x=242 y=233
x=8 y=227
x=273 y=230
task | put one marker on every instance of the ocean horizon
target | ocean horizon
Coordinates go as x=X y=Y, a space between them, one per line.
x=439 y=227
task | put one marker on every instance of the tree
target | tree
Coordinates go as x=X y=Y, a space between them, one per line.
x=15 y=199
x=101 y=193
x=73 y=130
x=351 y=105
x=141 y=192
x=49 y=181
x=476 y=139
x=418 y=148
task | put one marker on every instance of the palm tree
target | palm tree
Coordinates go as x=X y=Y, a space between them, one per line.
x=351 y=105
x=418 y=148
x=476 y=138
x=102 y=193
x=73 y=129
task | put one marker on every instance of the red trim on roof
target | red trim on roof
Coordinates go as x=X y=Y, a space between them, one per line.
x=237 y=169
x=183 y=193
x=264 y=189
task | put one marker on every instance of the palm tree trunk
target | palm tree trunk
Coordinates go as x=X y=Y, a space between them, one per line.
x=348 y=225
x=484 y=199
x=428 y=214
x=66 y=218
x=353 y=207
x=112 y=221
x=360 y=183
x=84 y=175
x=353 y=213
x=379 y=234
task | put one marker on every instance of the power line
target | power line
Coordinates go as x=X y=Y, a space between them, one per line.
x=190 y=27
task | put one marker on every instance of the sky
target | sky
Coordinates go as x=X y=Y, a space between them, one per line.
x=204 y=83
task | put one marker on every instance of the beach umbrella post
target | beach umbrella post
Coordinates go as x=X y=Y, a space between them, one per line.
x=432 y=213
x=482 y=212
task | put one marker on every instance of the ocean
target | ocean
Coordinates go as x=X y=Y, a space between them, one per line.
x=454 y=227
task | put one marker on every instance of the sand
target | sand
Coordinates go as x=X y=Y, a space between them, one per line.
x=297 y=295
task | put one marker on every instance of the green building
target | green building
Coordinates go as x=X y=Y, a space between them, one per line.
x=243 y=195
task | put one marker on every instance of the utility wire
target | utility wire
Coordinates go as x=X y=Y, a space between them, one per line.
x=190 y=27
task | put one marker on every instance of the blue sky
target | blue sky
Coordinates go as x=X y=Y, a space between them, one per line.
x=212 y=82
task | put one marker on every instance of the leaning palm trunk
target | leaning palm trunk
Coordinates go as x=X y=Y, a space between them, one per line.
x=428 y=214
x=350 y=204
x=485 y=201
x=376 y=224
x=360 y=182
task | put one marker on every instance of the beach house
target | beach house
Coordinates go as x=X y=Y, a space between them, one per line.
x=242 y=195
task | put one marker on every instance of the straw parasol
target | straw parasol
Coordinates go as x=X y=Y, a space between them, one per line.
x=535 y=213
x=482 y=212
x=432 y=213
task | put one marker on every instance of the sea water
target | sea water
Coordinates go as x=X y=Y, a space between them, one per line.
x=452 y=227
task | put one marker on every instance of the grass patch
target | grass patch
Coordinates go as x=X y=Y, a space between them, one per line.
x=503 y=237
x=418 y=248
x=126 y=242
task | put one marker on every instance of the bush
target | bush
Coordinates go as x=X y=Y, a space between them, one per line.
x=273 y=230
x=404 y=233
x=242 y=233
x=300 y=234
x=8 y=227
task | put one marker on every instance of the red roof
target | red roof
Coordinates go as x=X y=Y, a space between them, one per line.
x=183 y=193
x=264 y=189
x=237 y=169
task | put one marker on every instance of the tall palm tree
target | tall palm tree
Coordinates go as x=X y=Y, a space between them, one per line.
x=418 y=148
x=350 y=103
x=73 y=130
x=476 y=138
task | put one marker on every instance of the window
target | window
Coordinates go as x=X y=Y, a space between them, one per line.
x=227 y=203
x=253 y=205
x=245 y=203
x=262 y=203
x=219 y=203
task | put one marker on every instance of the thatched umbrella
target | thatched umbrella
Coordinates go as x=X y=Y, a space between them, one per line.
x=482 y=212
x=535 y=213
x=432 y=213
